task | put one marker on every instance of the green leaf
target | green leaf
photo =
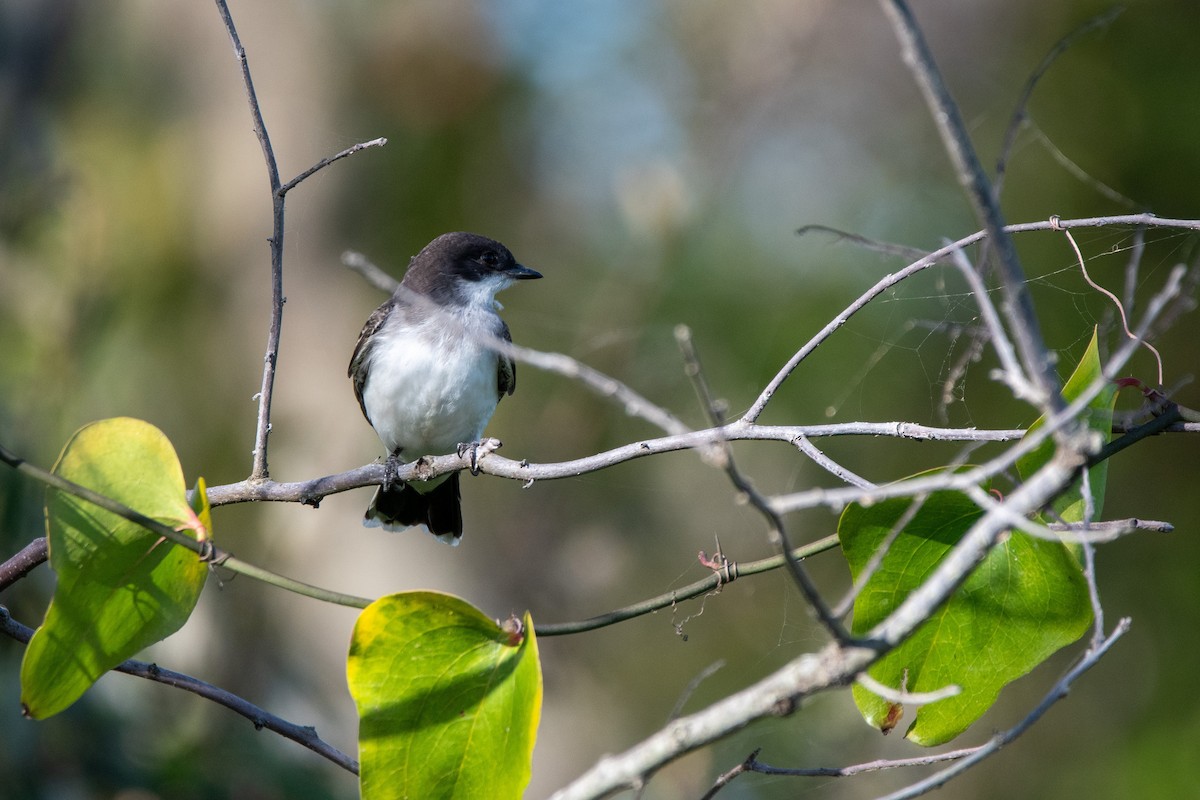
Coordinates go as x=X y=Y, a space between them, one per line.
x=1098 y=416
x=1025 y=601
x=120 y=587
x=448 y=701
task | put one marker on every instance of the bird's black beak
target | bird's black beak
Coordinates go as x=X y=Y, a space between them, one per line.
x=519 y=272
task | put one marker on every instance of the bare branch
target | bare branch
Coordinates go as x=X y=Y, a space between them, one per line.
x=259 y=470
x=872 y=245
x=1059 y=691
x=634 y=404
x=204 y=550
x=935 y=257
x=325 y=162
x=302 y=734
x=776 y=695
x=23 y=562
x=270 y=359
x=752 y=764
x=1018 y=308
x=805 y=446
x=730 y=571
x=776 y=530
x=312 y=491
x=373 y=275
x=1079 y=173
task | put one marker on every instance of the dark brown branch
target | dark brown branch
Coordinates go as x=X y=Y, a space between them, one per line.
x=259 y=469
x=24 y=562
x=325 y=162
x=301 y=734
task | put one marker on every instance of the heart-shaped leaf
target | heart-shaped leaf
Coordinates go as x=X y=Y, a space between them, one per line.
x=120 y=587
x=448 y=701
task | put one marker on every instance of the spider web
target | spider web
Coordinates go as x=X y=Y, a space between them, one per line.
x=931 y=324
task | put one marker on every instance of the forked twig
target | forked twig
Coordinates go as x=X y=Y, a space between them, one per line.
x=776 y=530
x=1018 y=307
x=259 y=470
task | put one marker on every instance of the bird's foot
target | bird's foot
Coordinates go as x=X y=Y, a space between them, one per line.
x=391 y=469
x=478 y=450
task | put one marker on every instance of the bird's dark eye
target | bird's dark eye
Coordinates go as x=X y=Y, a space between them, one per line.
x=489 y=258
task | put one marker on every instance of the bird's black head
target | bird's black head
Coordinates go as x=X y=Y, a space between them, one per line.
x=457 y=266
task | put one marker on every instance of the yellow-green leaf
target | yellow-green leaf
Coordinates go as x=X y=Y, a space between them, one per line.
x=448 y=701
x=119 y=587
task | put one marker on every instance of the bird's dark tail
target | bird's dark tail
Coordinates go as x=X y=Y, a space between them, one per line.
x=402 y=506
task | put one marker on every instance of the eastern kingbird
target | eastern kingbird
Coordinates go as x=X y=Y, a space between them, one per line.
x=428 y=376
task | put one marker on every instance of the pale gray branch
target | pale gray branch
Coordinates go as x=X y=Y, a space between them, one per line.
x=312 y=491
x=1018 y=307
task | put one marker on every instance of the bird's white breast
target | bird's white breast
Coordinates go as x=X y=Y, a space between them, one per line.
x=433 y=385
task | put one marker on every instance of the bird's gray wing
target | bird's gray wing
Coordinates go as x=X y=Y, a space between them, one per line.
x=506 y=368
x=360 y=361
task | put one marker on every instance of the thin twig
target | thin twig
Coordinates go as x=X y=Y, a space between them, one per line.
x=1133 y=268
x=203 y=549
x=1057 y=693
x=776 y=530
x=1018 y=306
x=1079 y=173
x=372 y=274
x=1021 y=111
x=325 y=162
x=1010 y=369
x=302 y=734
x=732 y=571
x=259 y=470
x=871 y=245
x=805 y=446
x=936 y=257
x=752 y=764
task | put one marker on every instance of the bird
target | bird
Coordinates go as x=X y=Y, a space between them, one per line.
x=428 y=376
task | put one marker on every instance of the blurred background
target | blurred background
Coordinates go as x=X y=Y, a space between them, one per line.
x=653 y=160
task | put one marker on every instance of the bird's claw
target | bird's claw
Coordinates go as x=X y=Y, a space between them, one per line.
x=391 y=470
x=478 y=450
